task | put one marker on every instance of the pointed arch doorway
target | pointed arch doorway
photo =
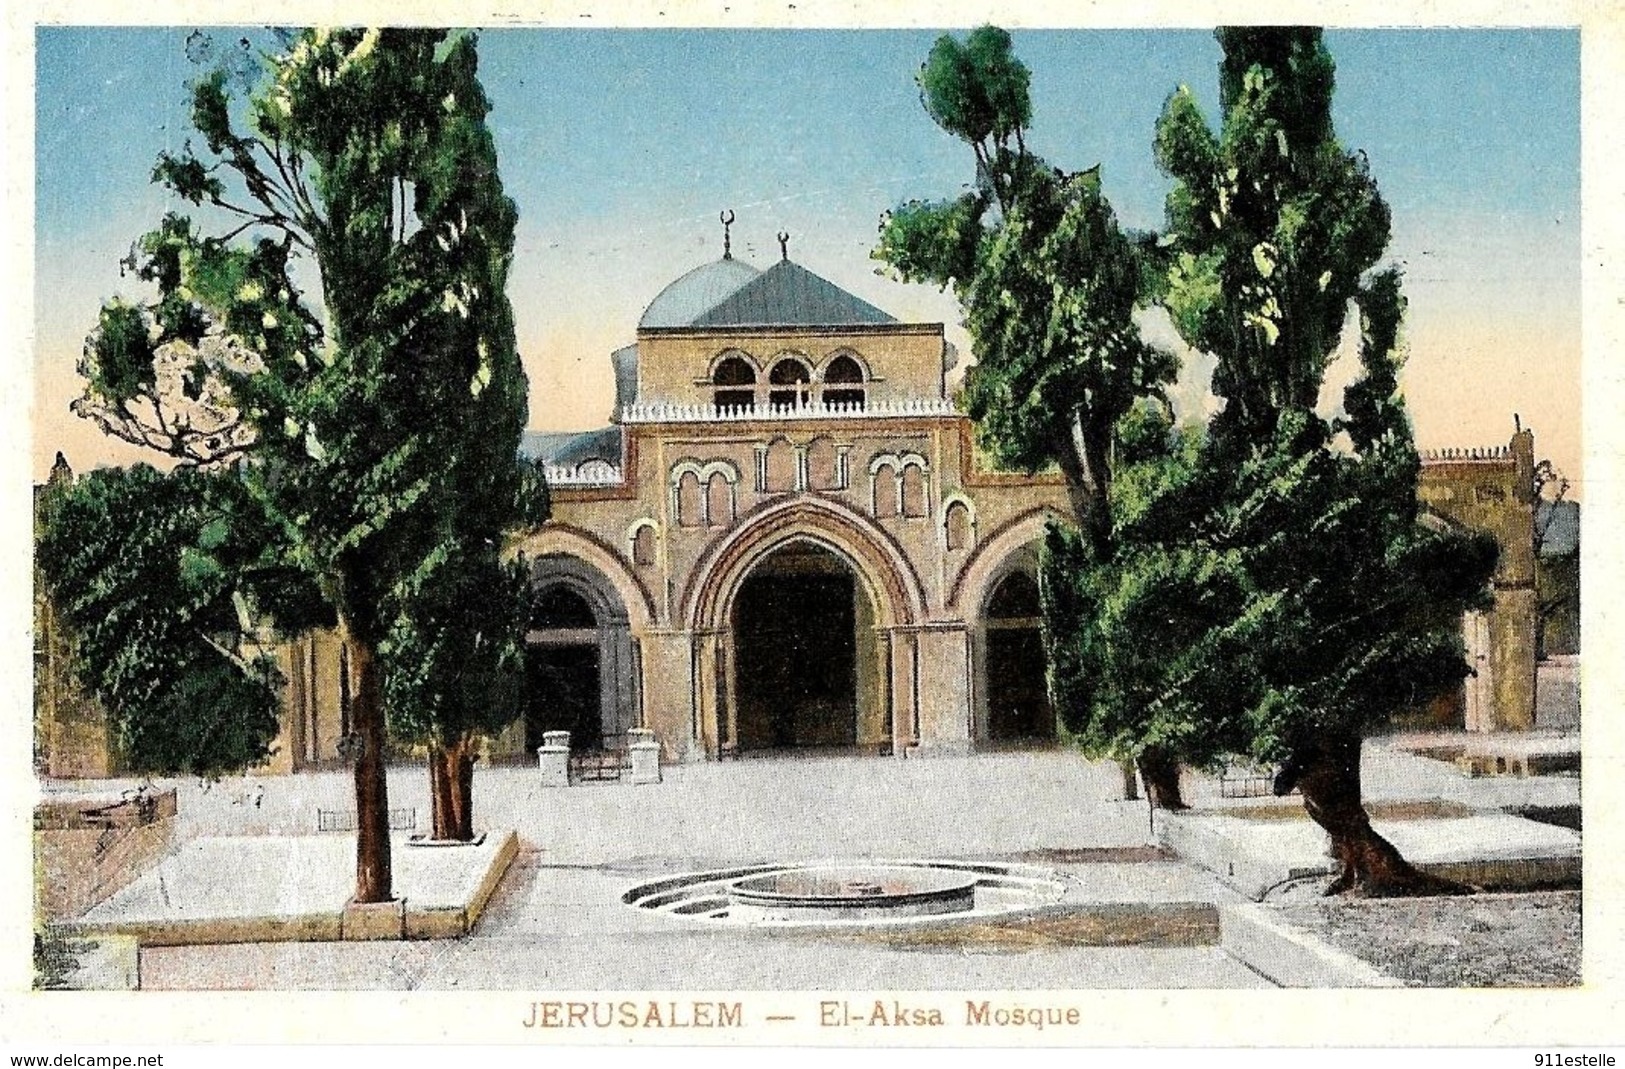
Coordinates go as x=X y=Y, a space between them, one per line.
x=581 y=661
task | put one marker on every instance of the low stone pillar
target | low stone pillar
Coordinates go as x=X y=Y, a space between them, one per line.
x=645 y=753
x=554 y=757
x=373 y=920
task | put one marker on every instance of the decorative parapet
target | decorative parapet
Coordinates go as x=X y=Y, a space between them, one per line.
x=1489 y=453
x=672 y=412
x=588 y=473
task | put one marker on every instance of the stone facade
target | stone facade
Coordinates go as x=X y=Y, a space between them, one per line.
x=792 y=544
x=784 y=540
x=1493 y=490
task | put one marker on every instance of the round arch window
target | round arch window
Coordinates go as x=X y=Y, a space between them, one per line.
x=790 y=383
x=735 y=382
x=843 y=382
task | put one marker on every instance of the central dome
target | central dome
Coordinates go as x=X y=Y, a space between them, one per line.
x=697 y=292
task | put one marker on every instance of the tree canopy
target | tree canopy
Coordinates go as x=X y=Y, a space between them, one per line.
x=153 y=575
x=1047 y=280
x=1049 y=285
x=377 y=407
x=1337 y=607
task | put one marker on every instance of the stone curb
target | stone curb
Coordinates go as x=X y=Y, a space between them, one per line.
x=1095 y=924
x=1201 y=840
x=1289 y=956
x=431 y=922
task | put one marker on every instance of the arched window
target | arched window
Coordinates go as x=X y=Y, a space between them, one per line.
x=688 y=500
x=789 y=380
x=885 y=491
x=781 y=467
x=735 y=382
x=719 y=500
x=843 y=382
x=956 y=526
x=822 y=471
x=914 y=495
x=643 y=545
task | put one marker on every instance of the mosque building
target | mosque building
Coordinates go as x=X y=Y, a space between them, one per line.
x=784 y=541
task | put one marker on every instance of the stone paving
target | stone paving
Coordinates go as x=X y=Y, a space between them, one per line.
x=557 y=921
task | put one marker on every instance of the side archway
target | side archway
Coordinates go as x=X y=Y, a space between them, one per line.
x=563 y=540
x=990 y=561
x=583 y=646
x=996 y=594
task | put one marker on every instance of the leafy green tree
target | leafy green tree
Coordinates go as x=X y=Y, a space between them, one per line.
x=1129 y=625
x=1336 y=607
x=455 y=657
x=1049 y=284
x=149 y=571
x=380 y=412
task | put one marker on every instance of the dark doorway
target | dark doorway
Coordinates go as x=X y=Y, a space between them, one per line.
x=562 y=694
x=1018 y=706
x=563 y=691
x=795 y=642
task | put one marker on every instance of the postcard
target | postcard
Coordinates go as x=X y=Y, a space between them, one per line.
x=812 y=528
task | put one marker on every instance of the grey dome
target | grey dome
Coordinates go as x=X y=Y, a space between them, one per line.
x=696 y=293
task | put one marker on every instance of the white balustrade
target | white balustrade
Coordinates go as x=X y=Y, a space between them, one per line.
x=679 y=412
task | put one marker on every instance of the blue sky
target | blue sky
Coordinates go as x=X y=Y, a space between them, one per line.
x=620 y=147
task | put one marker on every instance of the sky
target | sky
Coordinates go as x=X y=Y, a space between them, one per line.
x=621 y=147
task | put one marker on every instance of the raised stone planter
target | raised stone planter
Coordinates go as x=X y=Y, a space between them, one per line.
x=373 y=920
x=1290 y=956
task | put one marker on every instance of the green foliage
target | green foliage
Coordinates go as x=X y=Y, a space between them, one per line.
x=1047 y=280
x=976 y=90
x=455 y=650
x=377 y=413
x=1128 y=625
x=1255 y=604
x=1281 y=577
x=1051 y=310
x=149 y=572
x=1272 y=225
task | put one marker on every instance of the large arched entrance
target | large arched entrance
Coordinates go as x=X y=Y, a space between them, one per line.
x=1018 y=707
x=580 y=657
x=806 y=655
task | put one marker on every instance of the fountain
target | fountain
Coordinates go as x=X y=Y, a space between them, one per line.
x=851 y=892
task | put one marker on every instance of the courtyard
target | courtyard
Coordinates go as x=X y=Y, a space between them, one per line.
x=556 y=921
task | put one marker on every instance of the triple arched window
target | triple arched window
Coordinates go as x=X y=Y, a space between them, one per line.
x=790 y=381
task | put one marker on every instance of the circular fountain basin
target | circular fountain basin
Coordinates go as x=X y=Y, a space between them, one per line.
x=849 y=892
x=853 y=892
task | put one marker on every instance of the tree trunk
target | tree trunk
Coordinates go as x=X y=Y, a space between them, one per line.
x=451 y=791
x=1131 y=785
x=1328 y=775
x=1160 y=770
x=372 y=859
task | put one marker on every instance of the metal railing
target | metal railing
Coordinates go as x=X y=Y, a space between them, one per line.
x=345 y=820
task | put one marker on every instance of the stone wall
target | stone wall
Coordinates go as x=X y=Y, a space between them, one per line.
x=1492 y=489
